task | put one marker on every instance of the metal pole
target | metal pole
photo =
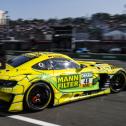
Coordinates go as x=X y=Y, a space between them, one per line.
x=7 y=24
x=73 y=45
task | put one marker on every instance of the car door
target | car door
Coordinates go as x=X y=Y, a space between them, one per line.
x=65 y=75
x=70 y=77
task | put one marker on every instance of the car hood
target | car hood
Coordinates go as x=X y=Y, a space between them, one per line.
x=98 y=67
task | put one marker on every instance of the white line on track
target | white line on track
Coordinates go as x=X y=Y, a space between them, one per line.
x=33 y=121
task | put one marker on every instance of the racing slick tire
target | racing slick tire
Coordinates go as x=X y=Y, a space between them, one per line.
x=118 y=82
x=37 y=97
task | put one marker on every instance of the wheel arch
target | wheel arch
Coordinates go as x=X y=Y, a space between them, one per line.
x=120 y=70
x=35 y=82
x=123 y=72
x=52 y=92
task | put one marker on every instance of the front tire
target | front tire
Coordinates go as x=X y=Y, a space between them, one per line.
x=118 y=82
x=38 y=96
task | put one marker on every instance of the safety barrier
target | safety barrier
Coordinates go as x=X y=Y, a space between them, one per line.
x=101 y=56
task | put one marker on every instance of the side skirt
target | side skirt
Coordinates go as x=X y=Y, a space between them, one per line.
x=66 y=98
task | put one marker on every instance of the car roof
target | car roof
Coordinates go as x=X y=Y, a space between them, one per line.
x=42 y=54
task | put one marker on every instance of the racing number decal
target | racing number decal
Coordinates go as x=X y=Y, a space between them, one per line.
x=86 y=80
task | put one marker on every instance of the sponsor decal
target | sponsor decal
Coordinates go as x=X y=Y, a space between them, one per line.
x=68 y=81
x=87 y=75
x=75 y=80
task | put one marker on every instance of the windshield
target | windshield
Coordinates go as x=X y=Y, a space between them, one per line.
x=19 y=60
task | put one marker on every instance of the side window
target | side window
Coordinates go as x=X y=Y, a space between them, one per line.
x=56 y=64
x=44 y=65
x=62 y=63
x=74 y=65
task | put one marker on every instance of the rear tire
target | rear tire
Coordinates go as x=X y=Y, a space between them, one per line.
x=118 y=82
x=37 y=97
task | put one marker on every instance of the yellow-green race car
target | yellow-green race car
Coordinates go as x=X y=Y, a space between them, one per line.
x=33 y=81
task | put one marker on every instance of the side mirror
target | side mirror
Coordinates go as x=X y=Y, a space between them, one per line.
x=82 y=66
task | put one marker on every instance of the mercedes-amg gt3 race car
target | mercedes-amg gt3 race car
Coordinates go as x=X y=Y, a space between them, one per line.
x=33 y=81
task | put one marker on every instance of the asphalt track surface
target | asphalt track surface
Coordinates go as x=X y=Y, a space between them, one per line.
x=107 y=110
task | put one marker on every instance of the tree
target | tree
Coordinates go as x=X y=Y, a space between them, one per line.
x=95 y=33
x=101 y=16
x=52 y=21
x=66 y=21
x=79 y=20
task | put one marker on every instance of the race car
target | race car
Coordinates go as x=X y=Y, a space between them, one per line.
x=34 y=81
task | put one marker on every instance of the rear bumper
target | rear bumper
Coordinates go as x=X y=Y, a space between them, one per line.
x=4 y=106
x=5 y=101
x=11 y=98
x=11 y=102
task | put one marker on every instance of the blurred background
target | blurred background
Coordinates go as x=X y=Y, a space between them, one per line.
x=88 y=32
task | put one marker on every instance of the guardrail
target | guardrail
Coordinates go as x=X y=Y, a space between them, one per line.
x=103 y=56
x=22 y=45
